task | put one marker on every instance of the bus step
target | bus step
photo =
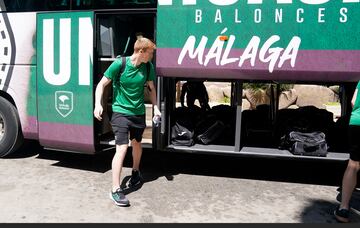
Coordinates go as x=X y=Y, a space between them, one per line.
x=110 y=142
x=146 y=143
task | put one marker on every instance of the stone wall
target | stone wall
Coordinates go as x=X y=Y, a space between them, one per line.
x=298 y=96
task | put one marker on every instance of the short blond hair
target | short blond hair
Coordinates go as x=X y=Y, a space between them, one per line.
x=143 y=43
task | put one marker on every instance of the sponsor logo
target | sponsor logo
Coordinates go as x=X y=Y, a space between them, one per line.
x=64 y=102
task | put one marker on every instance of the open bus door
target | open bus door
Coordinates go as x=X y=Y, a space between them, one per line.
x=116 y=33
x=65 y=80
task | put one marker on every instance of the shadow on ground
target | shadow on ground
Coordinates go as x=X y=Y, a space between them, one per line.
x=321 y=211
x=29 y=148
x=168 y=164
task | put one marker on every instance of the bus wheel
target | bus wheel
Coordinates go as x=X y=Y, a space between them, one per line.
x=10 y=132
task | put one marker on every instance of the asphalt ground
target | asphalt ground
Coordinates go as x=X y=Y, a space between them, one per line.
x=45 y=186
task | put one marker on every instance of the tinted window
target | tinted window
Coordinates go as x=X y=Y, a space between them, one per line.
x=54 y=5
x=36 y=5
x=113 y=4
x=117 y=33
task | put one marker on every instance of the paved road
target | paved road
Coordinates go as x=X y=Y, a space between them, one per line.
x=50 y=186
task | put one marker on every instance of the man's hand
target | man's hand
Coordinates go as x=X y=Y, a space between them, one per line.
x=98 y=112
x=156 y=111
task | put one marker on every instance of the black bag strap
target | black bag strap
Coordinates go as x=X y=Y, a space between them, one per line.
x=147 y=75
x=122 y=68
x=123 y=65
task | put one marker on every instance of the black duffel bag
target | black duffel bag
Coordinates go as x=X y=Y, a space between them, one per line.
x=308 y=144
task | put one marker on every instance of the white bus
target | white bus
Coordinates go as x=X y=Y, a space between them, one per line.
x=53 y=53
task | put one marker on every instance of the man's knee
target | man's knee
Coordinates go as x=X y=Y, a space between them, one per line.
x=354 y=165
x=136 y=143
x=121 y=148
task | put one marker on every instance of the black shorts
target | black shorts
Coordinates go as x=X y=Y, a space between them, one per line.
x=123 y=124
x=354 y=142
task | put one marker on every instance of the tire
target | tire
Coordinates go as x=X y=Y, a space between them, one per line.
x=11 y=136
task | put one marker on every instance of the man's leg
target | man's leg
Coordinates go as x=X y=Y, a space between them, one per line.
x=349 y=183
x=116 y=193
x=117 y=164
x=136 y=153
x=190 y=100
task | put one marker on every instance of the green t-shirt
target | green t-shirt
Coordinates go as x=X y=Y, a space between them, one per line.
x=355 y=114
x=128 y=95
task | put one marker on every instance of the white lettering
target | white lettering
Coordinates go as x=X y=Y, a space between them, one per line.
x=250 y=51
x=299 y=19
x=223 y=2
x=85 y=50
x=278 y=1
x=189 y=48
x=198 y=16
x=314 y=2
x=215 y=52
x=63 y=76
x=237 y=20
x=291 y=52
x=189 y=2
x=257 y=16
x=231 y=2
x=321 y=15
x=225 y=59
x=254 y=1
x=274 y=52
x=165 y=2
x=266 y=54
x=343 y=13
x=278 y=15
x=218 y=16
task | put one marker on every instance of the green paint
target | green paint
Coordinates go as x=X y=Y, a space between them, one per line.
x=50 y=107
x=177 y=22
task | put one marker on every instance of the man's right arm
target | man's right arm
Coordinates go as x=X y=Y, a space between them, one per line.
x=98 y=110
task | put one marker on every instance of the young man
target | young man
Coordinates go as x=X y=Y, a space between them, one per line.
x=350 y=176
x=128 y=118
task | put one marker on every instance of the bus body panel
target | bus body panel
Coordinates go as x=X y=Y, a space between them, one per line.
x=65 y=80
x=259 y=40
x=18 y=66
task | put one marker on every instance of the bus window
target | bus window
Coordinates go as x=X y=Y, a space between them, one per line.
x=36 y=5
x=112 y=4
x=118 y=33
x=106 y=45
x=202 y=114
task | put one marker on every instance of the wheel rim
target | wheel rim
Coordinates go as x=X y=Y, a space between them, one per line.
x=2 y=127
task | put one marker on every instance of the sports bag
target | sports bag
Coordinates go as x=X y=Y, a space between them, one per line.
x=211 y=134
x=307 y=144
x=181 y=136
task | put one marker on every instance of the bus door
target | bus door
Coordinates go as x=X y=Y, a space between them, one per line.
x=65 y=80
x=116 y=33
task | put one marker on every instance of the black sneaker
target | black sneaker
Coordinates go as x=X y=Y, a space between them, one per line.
x=119 y=198
x=341 y=215
x=136 y=178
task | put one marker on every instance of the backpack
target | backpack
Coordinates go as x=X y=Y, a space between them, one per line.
x=212 y=133
x=183 y=125
x=181 y=135
x=308 y=144
x=122 y=68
